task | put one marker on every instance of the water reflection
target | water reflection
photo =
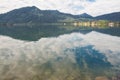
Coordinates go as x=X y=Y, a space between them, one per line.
x=75 y=56
x=33 y=33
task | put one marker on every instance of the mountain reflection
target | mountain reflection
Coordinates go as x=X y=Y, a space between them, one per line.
x=34 y=33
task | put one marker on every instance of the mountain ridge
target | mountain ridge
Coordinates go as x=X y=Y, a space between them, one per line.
x=110 y=16
x=31 y=14
x=35 y=15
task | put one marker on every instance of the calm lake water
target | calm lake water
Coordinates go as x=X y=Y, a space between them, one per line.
x=34 y=33
x=59 y=53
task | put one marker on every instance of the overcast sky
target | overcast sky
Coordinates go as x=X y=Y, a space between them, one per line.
x=92 y=7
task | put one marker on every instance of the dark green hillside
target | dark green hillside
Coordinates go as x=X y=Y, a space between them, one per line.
x=33 y=15
x=111 y=17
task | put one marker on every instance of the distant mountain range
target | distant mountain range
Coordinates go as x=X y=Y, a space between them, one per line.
x=84 y=15
x=35 y=15
x=112 y=17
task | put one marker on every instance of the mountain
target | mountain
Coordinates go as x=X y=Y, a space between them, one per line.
x=84 y=15
x=33 y=14
x=111 y=17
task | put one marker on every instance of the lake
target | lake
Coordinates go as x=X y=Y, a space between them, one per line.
x=59 y=53
x=34 y=33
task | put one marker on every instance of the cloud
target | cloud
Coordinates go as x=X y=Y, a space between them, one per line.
x=93 y=7
x=103 y=6
x=91 y=0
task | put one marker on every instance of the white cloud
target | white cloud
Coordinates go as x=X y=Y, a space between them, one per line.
x=103 y=7
x=94 y=8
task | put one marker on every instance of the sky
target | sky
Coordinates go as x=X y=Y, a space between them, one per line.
x=92 y=7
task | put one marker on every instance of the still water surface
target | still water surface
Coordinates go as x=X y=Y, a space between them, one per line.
x=59 y=53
